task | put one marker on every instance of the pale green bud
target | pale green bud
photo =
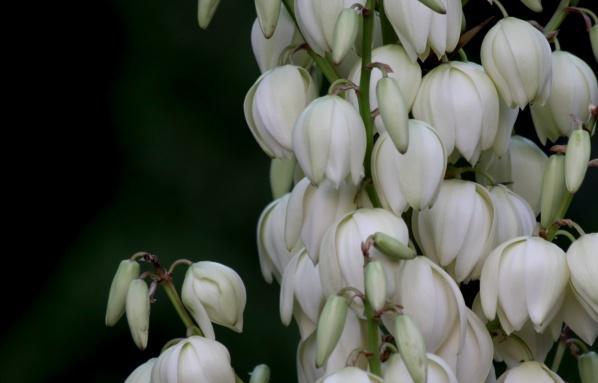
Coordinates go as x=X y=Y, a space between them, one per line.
x=330 y=327
x=553 y=190
x=394 y=112
x=588 y=367
x=393 y=248
x=205 y=12
x=267 y=15
x=260 y=374
x=534 y=5
x=143 y=373
x=138 y=312
x=594 y=40
x=435 y=5
x=127 y=271
x=345 y=32
x=412 y=347
x=576 y=159
x=282 y=171
x=375 y=285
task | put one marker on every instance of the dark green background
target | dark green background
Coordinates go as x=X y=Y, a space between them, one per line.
x=134 y=139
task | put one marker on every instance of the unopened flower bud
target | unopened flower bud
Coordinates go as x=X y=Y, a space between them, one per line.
x=350 y=375
x=553 y=189
x=196 y=359
x=534 y=5
x=393 y=112
x=582 y=260
x=393 y=248
x=330 y=327
x=260 y=374
x=267 y=15
x=594 y=40
x=375 y=285
x=329 y=141
x=127 y=272
x=282 y=171
x=205 y=12
x=517 y=58
x=530 y=372
x=219 y=289
x=412 y=347
x=138 y=312
x=576 y=159
x=587 y=364
x=345 y=32
x=143 y=373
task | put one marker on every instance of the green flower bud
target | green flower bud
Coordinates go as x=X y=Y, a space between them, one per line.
x=345 y=32
x=330 y=327
x=138 y=312
x=394 y=112
x=553 y=189
x=435 y=5
x=282 y=172
x=594 y=40
x=260 y=374
x=534 y=5
x=588 y=367
x=205 y=11
x=375 y=285
x=393 y=248
x=267 y=15
x=576 y=159
x=127 y=271
x=412 y=348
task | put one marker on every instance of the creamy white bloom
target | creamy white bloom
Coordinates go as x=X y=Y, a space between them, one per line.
x=273 y=104
x=350 y=375
x=582 y=258
x=460 y=101
x=574 y=88
x=394 y=370
x=316 y=20
x=410 y=179
x=514 y=216
x=530 y=372
x=458 y=231
x=475 y=356
x=420 y=28
x=521 y=167
x=195 y=359
x=267 y=52
x=577 y=318
x=220 y=291
x=524 y=279
x=517 y=58
x=341 y=257
x=143 y=373
x=329 y=141
x=433 y=300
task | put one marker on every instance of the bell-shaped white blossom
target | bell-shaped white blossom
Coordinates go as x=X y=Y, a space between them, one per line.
x=341 y=256
x=582 y=258
x=433 y=300
x=577 y=318
x=410 y=179
x=524 y=279
x=143 y=373
x=394 y=370
x=273 y=104
x=514 y=216
x=268 y=52
x=521 y=168
x=530 y=372
x=420 y=28
x=219 y=290
x=460 y=101
x=329 y=141
x=458 y=231
x=517 y=58
x=350 y=375
x=316 y=20
x=474 y=360
x=195 y=359
x=574 y=88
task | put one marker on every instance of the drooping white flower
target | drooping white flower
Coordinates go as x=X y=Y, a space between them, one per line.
x=350 y=375
x=574 y=88
x=460 y=101
x=410 y=179
x=474 y=360
x=517 y=58
x=458 y=231
x=394 y=370
x=524 y=279
x=273 y=104
x=329 y=141
x=514 y=216
x=420 y=28
x=341 y=257
x=143 y=373
x=577 y=318
x=194 y=359
x=582 y=259
x=530 y=372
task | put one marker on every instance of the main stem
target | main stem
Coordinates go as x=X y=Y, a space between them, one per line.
x=180 y=308
x=373 y=337
x=364 y=83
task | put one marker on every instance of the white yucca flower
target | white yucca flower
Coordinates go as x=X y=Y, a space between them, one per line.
x=582 y=258
x=350 y=375
x=530 y=372
x=143 y=373
x=474 y=360
x=514 y=216
x=577 y=317
x=438 y=370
